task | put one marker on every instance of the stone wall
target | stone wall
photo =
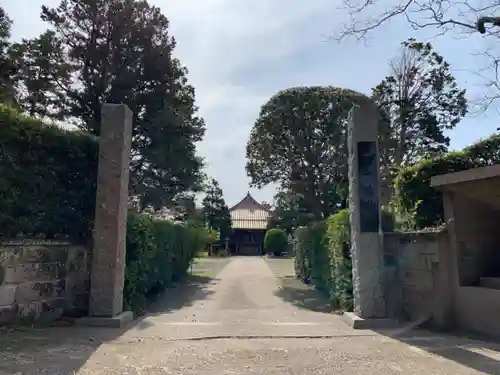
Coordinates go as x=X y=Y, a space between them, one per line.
x=417 y=280
x=40 y=280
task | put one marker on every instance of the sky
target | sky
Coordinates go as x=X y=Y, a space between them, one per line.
x=240 y=53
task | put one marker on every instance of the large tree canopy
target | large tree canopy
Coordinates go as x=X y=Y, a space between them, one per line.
x=117 y=51
x=299 y=141
x=421 y=100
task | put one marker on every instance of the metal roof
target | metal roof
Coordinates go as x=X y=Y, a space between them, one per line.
x=249 y=214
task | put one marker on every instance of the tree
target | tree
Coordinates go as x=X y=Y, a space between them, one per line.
x=290 y=212
x=43 y=75
x=120 y=51
x=299 y=141
x=421 y=100
x=446 y=17
x=443 y=14
x=7 y=66
x=215 y=211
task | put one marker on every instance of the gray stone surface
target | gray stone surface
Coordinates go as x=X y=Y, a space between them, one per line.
x=7 y=295
x=118 y=321
x=356 y=322
x=238 y=323
x=108 y=257
x=364 y=199
x=39 y=279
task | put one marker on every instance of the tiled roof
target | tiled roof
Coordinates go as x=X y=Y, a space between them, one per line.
x=249 y=214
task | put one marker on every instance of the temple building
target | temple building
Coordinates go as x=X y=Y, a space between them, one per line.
x=249 y=223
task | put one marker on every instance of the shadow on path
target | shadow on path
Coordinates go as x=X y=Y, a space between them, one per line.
x=301 y=295
x=65 y=348
x=477 y=353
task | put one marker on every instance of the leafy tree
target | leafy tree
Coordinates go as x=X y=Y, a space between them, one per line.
x=7 y=68
x=290 y=212
x=299 y=141
x=215 y=211
x=43 y=76
x=120 y=51
x=421 y=100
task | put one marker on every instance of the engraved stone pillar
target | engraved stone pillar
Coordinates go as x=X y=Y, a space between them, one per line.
x=108 y=256
x=364 y=212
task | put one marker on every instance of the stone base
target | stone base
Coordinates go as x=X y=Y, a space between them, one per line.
x=356 y=322
x=118 y=321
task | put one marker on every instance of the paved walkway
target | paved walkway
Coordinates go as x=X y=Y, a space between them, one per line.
x=240 y=323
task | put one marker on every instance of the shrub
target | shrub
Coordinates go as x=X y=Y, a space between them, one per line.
x=301 y=254
x=414 y=193
x=339 y=248
x=48 y=179
x=323 y=256
x=159 y=253
x=276 y=241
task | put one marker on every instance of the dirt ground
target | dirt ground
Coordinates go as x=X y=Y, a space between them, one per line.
x=241 y=315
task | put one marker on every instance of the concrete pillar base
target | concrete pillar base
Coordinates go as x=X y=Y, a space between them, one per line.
x=356 y=322
x=117 y=321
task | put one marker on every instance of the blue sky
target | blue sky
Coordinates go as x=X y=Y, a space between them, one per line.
x=239 y=53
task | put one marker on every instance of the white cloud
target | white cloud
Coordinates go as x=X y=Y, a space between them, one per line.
x=240 y=52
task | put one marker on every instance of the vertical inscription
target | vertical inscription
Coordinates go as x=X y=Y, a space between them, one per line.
x=368 y=187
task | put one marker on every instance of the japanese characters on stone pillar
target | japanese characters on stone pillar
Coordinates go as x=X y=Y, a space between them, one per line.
x=364 y=211
x=108 y=255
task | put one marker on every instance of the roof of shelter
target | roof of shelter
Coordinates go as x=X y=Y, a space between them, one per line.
x=249 y=214
x=479 y=184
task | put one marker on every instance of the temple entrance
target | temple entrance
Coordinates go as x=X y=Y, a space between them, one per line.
x=249 y=222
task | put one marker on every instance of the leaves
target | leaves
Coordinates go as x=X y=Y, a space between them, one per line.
x=299 y=141
x=420 y=100
x=215 y=211
x=116 y=51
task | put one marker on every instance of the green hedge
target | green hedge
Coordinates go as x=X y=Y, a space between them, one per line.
x=323 y=256
x=339 y=247
x=275 y=241
x=47 y=179
x=413 y=190
x=48 y=187
x=159 y=253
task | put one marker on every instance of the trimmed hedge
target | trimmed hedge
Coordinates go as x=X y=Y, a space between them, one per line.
x=159 y=253
x=48 y=189
x=413 y=190
x=339 y=242
x=275 y=241
x=323 y=256
x=47 y=179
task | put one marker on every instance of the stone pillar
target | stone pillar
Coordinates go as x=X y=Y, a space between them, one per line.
x=110 y=226
x=364 y=212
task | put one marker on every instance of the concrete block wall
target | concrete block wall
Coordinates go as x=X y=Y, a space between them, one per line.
x=42 y=279
x=417 y=284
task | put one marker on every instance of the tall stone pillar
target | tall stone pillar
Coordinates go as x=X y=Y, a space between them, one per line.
x=108 y=255
x=365 y=216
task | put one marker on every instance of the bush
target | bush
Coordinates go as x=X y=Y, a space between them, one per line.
x=339 y=248
x=275 y=241
x=323 y=256
x=301 y=254
x=159 y=253
x=48 y=179
x=414 y=193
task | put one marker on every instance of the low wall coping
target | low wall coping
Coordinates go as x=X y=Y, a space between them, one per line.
x=425 y=233
x=35 y=242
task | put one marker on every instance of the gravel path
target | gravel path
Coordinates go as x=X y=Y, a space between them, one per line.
x=239 y=322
